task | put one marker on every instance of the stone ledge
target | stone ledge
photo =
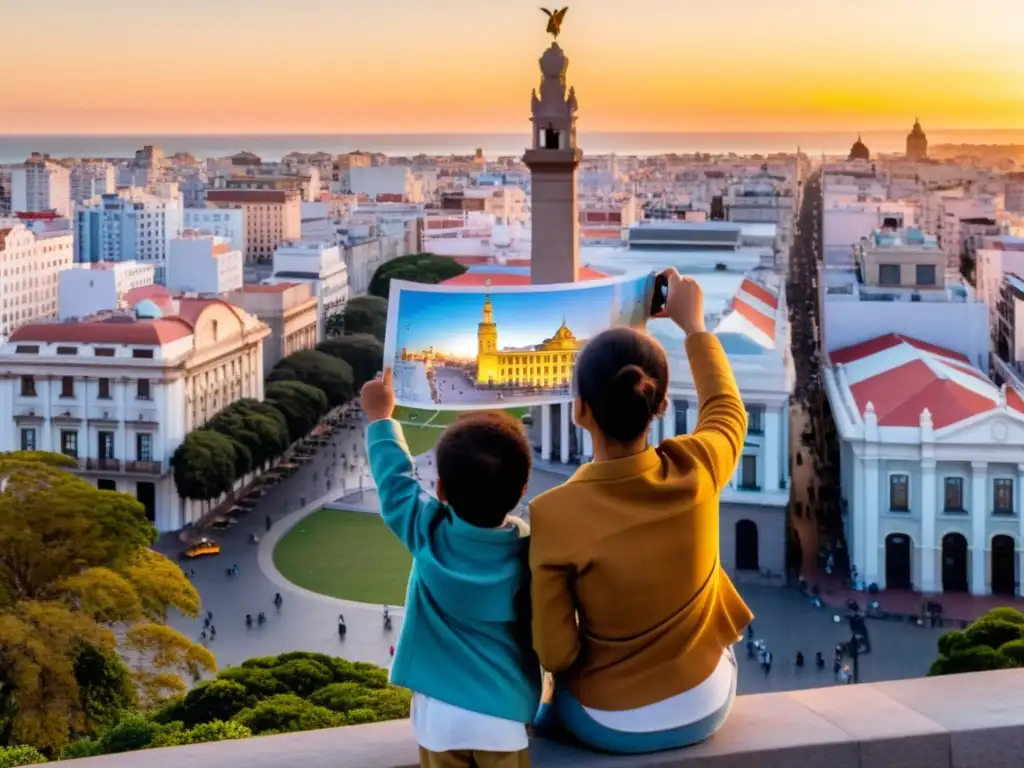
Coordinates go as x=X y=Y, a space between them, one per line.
x=961 y=721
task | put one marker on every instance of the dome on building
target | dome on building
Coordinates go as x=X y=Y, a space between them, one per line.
x=147 y=310
x=917 y=142
x=859 y=150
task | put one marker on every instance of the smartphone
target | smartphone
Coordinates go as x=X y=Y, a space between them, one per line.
x=660 y=295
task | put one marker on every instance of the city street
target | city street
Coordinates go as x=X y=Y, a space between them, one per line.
x=455 y=388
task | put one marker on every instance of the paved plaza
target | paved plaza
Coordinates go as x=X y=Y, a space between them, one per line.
x=308 y=621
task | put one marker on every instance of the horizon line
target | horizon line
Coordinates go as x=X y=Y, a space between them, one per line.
x=723 y=132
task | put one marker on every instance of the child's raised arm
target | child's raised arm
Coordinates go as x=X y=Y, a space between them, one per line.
x=406 y=508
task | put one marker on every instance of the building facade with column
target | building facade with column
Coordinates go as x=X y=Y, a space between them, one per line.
x=931 y=468
x=119 y=391
x=754 y=330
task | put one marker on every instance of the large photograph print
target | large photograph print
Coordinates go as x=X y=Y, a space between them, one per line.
x=467 y=347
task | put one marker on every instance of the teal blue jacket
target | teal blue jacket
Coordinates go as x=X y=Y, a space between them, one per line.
x=466 y=633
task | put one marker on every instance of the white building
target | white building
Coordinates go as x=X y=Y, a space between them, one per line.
x=119 y=392
x=383 y=182
x=204 y=264
x=89 y=179
x=897 y=284
x=40 y=185
x=130 y=225
x=321 y=266
x=765 y=198
x=31 y=265
x=930 y=465
x=222 y=222
x=86 y=289
x=997 y=257
x=746 y=309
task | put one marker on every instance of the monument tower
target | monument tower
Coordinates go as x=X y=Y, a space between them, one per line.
x=553 y=161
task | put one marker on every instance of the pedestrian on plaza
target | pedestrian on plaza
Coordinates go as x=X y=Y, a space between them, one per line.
x=767 y=662
x=391 y=651
x=209 y=615
x=302 y=501
x=213 y=632
x=269 y=522
x=202 y=636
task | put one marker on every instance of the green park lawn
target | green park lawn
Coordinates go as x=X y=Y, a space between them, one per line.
x=349 y=555
x=423 y=428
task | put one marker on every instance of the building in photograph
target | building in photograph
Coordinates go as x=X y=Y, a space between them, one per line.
x=930 y=465
x=203 y=264
x=40 y=185
x=130 y=225
x=397 y=183
x=547 y=365
x=86 y=289
x=118 y=392
x=229 y=223
x=271 y=217
x=32 y=263
x=290 y=310
x=860 y=151
x=319 y=265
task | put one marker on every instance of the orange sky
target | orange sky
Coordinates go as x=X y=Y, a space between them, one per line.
x=308 y=66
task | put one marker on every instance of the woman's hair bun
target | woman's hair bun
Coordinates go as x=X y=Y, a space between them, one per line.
x=633 y=380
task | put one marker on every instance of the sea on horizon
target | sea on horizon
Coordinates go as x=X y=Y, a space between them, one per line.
x=15 y=148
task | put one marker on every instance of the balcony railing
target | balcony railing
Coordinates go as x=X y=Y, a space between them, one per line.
x=143 y=467
x=103 y=465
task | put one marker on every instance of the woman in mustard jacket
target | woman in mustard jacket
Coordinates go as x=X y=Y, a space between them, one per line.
x=632 y=611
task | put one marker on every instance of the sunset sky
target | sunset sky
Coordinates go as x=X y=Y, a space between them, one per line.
x=350 y=66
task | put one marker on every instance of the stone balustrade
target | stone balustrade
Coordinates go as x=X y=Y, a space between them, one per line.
x=961 y=721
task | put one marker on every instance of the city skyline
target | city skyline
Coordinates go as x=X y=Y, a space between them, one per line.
x=453 y=68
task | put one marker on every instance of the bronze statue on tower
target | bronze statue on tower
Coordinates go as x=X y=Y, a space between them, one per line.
x=555 y=20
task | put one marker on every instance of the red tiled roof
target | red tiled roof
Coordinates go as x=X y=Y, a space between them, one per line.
x=761 y=293
x=119 y=330
x=759 y=320
x=500 y=278
x=902 y=376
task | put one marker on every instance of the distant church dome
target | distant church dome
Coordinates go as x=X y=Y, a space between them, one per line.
x=917 y=142
x=859 y=151
x=147 y=310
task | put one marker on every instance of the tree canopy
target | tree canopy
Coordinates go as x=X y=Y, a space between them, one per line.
x=365 y=353
x=206 y=464
x=994 y=641
x=76 y=563
x=417 y=268
x=367 y=314
x=301 y=405
x=329 y=374
x=260 y=429
x=295 y=691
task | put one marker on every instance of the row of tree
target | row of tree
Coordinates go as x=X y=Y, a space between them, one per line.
x=247 y=435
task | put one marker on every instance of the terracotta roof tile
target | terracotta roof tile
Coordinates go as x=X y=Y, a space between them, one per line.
x=902 y=376
x=759 y=320
x=246 y=196
x=116 y=330
x=261 y=288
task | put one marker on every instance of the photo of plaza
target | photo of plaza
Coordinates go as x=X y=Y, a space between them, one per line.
x=453 y=348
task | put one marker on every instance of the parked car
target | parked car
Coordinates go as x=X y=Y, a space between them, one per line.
x=222 y=523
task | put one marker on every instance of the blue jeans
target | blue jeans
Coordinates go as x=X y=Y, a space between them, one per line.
x=567 y=712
